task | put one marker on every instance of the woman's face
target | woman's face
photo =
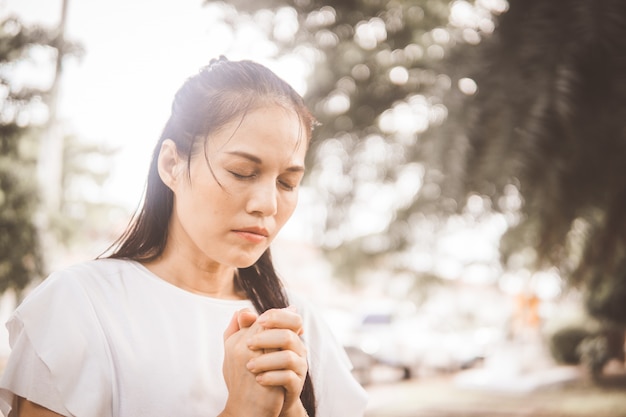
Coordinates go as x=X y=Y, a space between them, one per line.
x=229 y=210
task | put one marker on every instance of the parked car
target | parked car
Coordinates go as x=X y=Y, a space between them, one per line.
x=414 y=344
x=382 y=337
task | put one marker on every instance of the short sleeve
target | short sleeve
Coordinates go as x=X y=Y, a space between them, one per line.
x=21 y=372
x=59 y=357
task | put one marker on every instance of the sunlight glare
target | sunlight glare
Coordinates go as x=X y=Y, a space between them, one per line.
x=409 y=182
x=467 y=86
x=322 y=17
x=337 y=103
x=371 y=211
x=285 y=24
x=546 y=284
x=399 y=75
x=369 y=34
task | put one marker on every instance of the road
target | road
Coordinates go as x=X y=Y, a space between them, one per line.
x=442 y=396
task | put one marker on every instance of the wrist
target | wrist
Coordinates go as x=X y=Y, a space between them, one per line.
x=233 y=409
x=294 y=410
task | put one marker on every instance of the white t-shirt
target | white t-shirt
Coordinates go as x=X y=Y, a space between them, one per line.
x=107 y=338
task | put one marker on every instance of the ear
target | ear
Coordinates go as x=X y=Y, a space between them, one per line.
x=169 y=164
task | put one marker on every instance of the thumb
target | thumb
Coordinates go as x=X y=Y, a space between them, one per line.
x=232 y=327
x=241 y=319
x=246 y=318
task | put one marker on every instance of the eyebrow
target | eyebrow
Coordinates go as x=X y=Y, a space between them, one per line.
x=257 y=160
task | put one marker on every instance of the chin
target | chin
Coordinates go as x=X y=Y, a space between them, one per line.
x=244 y=266
x=246 y=262
x=245 y=258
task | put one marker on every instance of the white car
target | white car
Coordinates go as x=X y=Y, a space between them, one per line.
x=415 y=346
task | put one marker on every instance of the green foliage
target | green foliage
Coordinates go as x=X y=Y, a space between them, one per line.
x=20 y=252
x=542 y=140
x=376 y=86
x=20 y=257
x=23 y=113
x=587 y=342
x=606 y=291
x=548 y=121
x=594 y=353
x=565 y=341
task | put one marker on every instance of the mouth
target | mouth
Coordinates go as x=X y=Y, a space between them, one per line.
x=253 y=234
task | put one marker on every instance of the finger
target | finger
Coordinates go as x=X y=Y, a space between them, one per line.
x=283 y=378
x=283 y=318
x=278 y=360
x=299 y=331
x=246 y=318
x=277 y=339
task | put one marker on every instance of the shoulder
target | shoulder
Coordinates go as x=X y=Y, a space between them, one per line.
x=87 y=273
x=97 y=268
x=72 y=288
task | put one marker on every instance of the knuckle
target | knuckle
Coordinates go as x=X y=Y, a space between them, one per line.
x=289 y=338
x=296 y=363
x=292 y=359
x=294 y=379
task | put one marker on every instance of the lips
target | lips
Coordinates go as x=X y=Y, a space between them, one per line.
x=253 y=234
x=255 y=230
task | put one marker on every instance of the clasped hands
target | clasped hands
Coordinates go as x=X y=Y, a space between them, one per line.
x=264 y=364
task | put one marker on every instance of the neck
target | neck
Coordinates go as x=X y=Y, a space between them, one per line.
x=205 y=278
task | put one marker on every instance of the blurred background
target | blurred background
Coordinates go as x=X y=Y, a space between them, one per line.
x=462 y=224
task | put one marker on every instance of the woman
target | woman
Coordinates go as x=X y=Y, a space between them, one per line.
x=187 y=316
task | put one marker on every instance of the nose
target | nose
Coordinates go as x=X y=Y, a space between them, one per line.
x=263 y=199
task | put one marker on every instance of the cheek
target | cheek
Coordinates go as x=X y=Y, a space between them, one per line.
x=203 y=200
x=216 y=202
x=288 y=206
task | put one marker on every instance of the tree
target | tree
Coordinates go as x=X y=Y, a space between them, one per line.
x=423 y=110
x=547 y=124
x=377 y=84
x=23 y=113
x=19 y=246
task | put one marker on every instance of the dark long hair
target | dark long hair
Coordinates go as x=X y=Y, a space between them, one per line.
x=219 y=93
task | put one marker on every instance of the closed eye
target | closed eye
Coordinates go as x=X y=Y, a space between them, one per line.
x=286 y=186
x=242 y=176
x=289 y=181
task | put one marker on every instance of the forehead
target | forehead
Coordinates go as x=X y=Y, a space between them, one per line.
x=271 y=130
